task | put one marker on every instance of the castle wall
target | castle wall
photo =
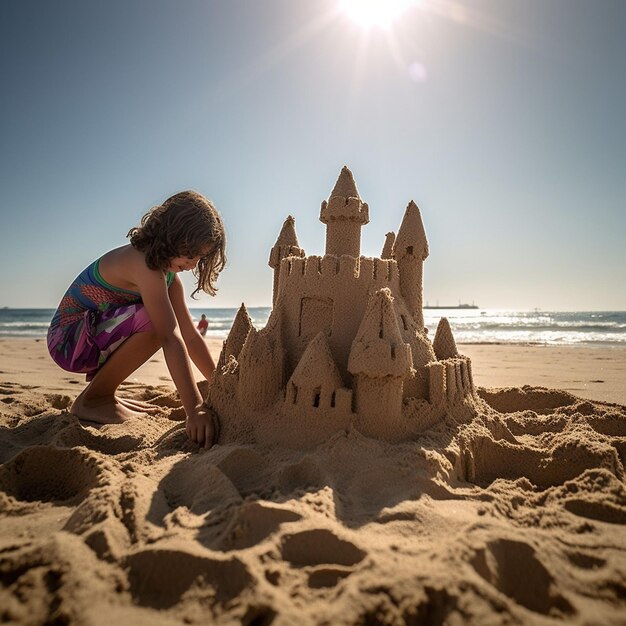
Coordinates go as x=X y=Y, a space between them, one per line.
x=377 y=404
x=449 y=381
x=328 y=294
x=315 y=402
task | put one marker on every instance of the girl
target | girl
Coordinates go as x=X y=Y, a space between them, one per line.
x=130 y=302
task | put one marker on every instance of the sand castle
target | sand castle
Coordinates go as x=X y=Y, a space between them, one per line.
x=345 y=344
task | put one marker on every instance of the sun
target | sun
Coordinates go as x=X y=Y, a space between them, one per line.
x=378 y=13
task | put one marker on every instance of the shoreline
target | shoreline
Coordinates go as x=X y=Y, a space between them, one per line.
x=589 y=372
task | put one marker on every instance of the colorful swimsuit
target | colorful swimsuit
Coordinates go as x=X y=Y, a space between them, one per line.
x=92 y=320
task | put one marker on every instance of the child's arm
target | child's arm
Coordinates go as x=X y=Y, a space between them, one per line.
x=155 y=297
x=196 y=345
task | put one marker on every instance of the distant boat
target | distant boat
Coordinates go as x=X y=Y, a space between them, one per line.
x=453 y=306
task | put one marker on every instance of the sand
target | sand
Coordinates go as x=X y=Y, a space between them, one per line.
x=588 y=372
x=516 y=516
x=361 y=474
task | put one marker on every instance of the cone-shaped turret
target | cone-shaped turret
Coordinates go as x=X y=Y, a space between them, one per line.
x=379 y=361
x=378 y=349
x=344 y=213
x=444 y=344
x=236 y=337
x=387 y=252
x=411 y=237
x=409 y=250
x=286 y=245
x=238 y=333
x=260 y=369
x=345 y=187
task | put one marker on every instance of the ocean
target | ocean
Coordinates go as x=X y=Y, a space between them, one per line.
x=594 y=328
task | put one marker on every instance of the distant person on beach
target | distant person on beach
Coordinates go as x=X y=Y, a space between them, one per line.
x=203 y=324
x=130 y=302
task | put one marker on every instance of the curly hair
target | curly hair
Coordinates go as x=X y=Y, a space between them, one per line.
x=184 y=225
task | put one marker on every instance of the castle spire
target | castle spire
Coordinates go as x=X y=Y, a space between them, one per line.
x=238 y=332
x=236 y=337
x=411 y=237
x=410 y=249
x=444 y=344
x=344 y=214
x=387 y=252
x=378 y=349
x=286 y=245
x=345 y=187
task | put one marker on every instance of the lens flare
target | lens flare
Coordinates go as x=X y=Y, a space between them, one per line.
x=379 y=13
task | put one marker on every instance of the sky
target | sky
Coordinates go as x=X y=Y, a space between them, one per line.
x=504 y=120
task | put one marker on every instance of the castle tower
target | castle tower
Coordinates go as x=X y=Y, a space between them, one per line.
x=316 y=379
x=344 y=213
x=387 y=252
x=410 y=249
x=261 y=367
x=443 y=343
x=236 y=337
x=286 y=245
x=379 y=361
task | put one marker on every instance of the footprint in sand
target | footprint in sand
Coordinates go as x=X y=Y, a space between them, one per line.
x=246 y=469
x=161 y=577
x=110 y=441
x=541 y=401
x=585 y=561
x=319 y=547
x=322 y=577
x=597 y=510
x=47 y=474
x=252 y=523
x=58 y=401
x=302 y=475
x=486 y=460
x=514 y=569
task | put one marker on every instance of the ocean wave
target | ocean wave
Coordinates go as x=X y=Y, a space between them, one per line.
x=472 y=326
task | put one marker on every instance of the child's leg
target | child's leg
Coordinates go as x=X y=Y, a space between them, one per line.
x=123 y=339
x=97 y=402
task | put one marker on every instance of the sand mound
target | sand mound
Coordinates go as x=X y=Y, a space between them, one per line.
x=514 y=515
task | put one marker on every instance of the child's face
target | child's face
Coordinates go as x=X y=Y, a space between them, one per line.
x=186 y=263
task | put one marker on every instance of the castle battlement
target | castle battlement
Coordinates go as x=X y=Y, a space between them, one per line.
x=449 y=380
x=378 y=273
x=338 y=208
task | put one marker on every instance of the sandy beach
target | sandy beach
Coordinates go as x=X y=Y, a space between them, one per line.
x=514 y=518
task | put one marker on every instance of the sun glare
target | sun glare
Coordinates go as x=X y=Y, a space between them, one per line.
x=379 y=13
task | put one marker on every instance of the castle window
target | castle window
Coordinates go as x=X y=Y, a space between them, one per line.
x=332 y=399
x=409 y=249
x=404 y=322
x=294 y=393
x=316 y=314
x=316 y=397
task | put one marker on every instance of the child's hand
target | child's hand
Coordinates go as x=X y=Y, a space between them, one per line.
x=202 y=426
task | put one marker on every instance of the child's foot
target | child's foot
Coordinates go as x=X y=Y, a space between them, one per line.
x=102 y=410
x=139 y=405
